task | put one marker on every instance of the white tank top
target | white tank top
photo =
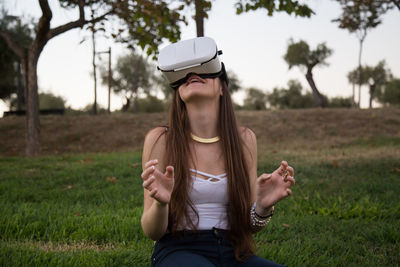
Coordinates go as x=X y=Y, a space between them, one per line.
x=210 y=199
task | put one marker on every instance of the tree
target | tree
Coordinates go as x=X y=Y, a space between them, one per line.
x=255 y=99
x=131 y=74
x=357 y=76
x=291 y=97
x=299 y=54
x=272 y=6
x=201 y=7
x=10 y=67
x=234 y=82
x=146 y=23
x=374 y=76
x=8 y=72
x=358 y=17
x=390 y=93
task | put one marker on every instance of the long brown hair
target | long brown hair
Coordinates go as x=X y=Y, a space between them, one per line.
x=178 y=155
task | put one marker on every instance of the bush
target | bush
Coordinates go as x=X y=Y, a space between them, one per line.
x=291 y=97
x=340 y=102
x=391 y=93
x=151 y=104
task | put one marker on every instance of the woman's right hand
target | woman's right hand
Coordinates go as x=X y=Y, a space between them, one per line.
x=159 y=185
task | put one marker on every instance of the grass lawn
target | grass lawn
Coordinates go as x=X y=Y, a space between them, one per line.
x=84 y=209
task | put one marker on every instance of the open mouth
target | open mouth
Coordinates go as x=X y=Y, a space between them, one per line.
x=194 y=79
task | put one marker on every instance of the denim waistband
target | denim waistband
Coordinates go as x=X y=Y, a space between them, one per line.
x=205 y=242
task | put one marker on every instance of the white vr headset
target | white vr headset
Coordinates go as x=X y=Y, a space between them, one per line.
x=194 y=56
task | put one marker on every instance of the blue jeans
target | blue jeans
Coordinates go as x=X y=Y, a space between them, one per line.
x=200 y=249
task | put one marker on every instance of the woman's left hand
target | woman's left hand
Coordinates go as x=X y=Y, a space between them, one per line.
x=271 y=188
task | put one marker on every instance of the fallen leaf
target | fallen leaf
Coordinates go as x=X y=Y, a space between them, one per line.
x=77 y=213
x=134 y=165
x=335 y=164
x=286 y=225
x=396 y=169
x=112 y=179
x=69 y=187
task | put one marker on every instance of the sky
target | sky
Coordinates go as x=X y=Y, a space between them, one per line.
x=253 y=46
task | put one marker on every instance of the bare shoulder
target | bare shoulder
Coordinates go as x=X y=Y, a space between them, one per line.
x=154 y=145
x=155 y=134
x=248 y=136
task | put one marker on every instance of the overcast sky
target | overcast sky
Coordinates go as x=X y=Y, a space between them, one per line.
x=253 y=46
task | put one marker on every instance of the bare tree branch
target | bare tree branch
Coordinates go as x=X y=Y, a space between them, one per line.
x=18 y=50
x=77 y=23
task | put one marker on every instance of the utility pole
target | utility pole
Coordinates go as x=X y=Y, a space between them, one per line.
x=94 y=70
x=109 y=79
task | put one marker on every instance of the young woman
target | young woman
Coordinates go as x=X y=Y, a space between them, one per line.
x=202 y=198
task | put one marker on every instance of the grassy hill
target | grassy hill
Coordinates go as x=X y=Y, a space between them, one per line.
x=125 y=132
x=83 y=207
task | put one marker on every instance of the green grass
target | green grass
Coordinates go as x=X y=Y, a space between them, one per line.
x=84 y=209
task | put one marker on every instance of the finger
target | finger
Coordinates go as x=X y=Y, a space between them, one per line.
x=288 y=192
x=153 y=192
x=283 y=167
x=291 y=180
x=264 y=177
x=148 y=171
x=169 y=172
x=291 y=171
x=148 y=182
x=150 y=163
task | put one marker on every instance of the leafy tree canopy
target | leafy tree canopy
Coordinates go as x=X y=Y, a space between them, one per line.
x=22 y=33
x=390 y=95
x=132 y=74
x=255 y=99
x=234 y=82
x=299 y=54
x=360 y=15
x=272 y=6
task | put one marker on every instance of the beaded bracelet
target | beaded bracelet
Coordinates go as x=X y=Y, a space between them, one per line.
x=258 y=220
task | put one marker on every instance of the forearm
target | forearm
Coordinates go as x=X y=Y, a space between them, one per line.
x=155 y=220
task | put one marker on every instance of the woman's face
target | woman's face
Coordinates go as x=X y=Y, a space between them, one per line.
x=199 y=88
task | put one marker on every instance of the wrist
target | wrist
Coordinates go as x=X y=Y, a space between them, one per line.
x=264 y=211
x=160 y=204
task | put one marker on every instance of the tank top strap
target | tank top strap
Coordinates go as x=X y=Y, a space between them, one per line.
x=208 y=175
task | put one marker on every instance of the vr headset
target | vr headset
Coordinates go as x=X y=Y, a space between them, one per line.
x=198 y=56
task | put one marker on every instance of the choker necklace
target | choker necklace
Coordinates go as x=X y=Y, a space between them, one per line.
x=204 y=140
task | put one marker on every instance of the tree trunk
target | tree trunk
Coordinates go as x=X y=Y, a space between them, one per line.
x=20 y=89
x=199 y=17
x=126 y=106
x=317 y=95
x=371 y=94
x=136 y=103
x=353 y=102
x=32 y=104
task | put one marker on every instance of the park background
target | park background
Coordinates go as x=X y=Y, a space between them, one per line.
x=253 y=45
x=79 y=201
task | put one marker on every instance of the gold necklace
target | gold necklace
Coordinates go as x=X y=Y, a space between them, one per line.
x=204 y=140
